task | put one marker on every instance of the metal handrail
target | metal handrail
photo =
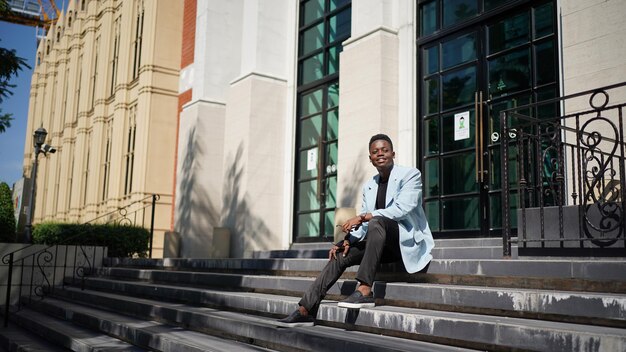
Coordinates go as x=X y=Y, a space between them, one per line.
x=592 y=165
x=9 y=258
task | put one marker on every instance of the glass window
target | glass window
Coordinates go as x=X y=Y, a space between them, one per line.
x=510 y=72
x=431 y=60
x=340 y=25
x=312 y=39
x=428 y=18
x=458 y=50
x=331 y=192
x=461 y=214
x=311 y=103
x=335 y=4
x=432 y=95
x=432 y=214
x=432 y=135
x=509 y=33
x=548 y=110
x=458 y=87
x=333 y=95
x=455 y=11
x=333 y=59
x=329 y=223
x=544 y=20
x=311 y=69
x=492 y=4
x=312 y=10
x=460 y=173
x=495 y=210
x=310 y=131
x=431 y=167
x=545 y=63
x=332 y=127
x=308 y=195
x=309 y=225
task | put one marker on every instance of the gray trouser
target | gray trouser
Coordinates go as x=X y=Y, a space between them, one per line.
x=381 y=245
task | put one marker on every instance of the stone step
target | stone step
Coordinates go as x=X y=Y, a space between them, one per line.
x=485 y=252
x=259 y=330
x=68 y=335
x=439 y=243
x=580 y=307
x=151 y=335
x=14 y=338
x=606 y=275
x=461 y=329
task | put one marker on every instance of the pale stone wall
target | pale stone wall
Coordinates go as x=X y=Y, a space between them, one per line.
x=74 y=97
x=234 y=165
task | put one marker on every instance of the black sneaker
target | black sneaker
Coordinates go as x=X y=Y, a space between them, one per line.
x=296 y=319
x=357 y=300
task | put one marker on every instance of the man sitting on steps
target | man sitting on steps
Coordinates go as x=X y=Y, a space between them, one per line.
x=391 y=227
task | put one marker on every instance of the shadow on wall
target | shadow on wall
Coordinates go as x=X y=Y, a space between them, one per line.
x=248 y=232
x=196 y=215
x=352 y=191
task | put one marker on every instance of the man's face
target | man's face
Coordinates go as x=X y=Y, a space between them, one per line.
x=381 y=154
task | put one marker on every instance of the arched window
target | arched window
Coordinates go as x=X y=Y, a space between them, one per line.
x=38 y=59
x=47 y=49
x=69 y=20
x=82 y=5
x=58 y=34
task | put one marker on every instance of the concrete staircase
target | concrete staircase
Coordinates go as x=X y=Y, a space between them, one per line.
x=471 y=299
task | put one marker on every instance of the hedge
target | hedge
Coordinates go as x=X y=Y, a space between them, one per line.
x=7 y=215
x=122 y=240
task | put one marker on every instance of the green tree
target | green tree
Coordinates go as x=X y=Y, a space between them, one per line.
x=7 y=215
x=10 y=65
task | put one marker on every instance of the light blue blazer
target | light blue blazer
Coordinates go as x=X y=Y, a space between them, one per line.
x=404 y=205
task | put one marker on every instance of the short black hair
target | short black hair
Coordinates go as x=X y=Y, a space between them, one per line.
x=379 y=137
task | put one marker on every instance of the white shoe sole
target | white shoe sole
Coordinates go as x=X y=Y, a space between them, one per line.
x=356 y=305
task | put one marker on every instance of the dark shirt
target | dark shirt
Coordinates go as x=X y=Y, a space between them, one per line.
x=382 y=194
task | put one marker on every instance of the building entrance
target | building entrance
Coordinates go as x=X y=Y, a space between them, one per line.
x=477 y=58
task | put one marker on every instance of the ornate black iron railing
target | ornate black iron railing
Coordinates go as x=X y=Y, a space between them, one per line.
x=564 y=177
x=42 y=268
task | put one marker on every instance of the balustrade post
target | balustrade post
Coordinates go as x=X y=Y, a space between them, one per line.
x=154 y=199
x=8 y=297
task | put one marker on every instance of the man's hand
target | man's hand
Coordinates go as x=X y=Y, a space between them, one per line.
x=351 y=224
x=345 y=247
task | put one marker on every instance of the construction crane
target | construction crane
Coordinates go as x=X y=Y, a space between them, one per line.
x=35 y=13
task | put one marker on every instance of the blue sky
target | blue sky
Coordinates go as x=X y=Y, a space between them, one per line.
x=23 y=40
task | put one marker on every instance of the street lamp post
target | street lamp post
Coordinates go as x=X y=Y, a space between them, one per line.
x=39 y=138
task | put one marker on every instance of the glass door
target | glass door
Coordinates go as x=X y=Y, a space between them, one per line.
x=317 y=161
x=504 y=57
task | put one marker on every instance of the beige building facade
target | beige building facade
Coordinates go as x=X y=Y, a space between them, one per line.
x=105 y=89
x=282 y=97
